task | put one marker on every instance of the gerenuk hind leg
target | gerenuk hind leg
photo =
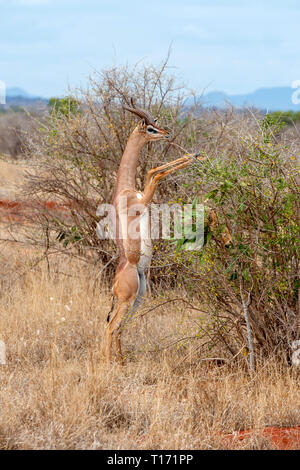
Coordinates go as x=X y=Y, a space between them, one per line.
x=126 y=287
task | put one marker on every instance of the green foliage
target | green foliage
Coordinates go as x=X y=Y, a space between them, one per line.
x=196 y=230
x=67 y=106
x=286 y=117
x=257 y=195
x=72 y=235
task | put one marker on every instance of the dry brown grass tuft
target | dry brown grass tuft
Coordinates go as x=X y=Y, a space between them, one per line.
x=57 y=393
x=12 y=177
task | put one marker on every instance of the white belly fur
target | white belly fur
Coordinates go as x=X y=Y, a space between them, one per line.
x=146 y=245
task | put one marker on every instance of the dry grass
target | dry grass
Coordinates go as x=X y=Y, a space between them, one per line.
x=57 y=393
x=12 y=177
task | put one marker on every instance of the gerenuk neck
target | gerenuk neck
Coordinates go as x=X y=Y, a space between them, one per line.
x=126 y=178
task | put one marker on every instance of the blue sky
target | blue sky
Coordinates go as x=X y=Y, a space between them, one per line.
x=230 y=45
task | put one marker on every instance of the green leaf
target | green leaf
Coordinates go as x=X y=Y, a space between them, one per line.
x=246 y=274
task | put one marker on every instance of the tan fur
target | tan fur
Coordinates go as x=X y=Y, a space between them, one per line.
x=127 y=279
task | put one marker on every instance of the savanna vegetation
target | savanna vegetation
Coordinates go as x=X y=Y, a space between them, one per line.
x=211 y=351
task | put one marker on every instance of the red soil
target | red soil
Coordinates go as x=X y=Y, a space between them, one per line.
x=281 y=438
x=19 y=211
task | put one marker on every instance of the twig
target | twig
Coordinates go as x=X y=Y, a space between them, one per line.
x=249 y=334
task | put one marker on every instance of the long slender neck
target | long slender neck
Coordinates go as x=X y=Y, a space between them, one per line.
x=126 y=178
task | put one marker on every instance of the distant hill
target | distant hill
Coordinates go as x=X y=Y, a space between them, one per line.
x=17 y=97
x=15 y=91
x=267 y=99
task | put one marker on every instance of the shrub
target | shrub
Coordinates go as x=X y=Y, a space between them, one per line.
x=13 y=131
x=66 y=106
x=249 y=177
x=257 y=195
x=79 y=151
x=287 y=117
